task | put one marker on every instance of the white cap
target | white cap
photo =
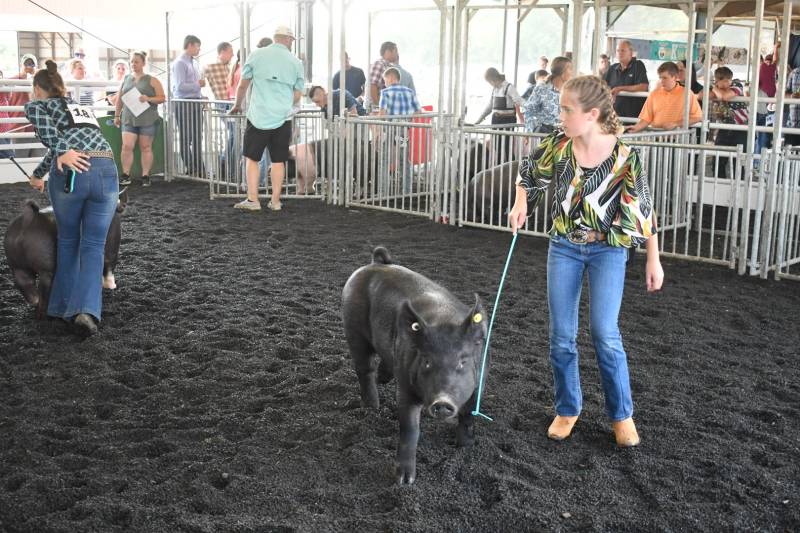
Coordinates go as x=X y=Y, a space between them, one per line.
x=27 y=57
x=285 y=31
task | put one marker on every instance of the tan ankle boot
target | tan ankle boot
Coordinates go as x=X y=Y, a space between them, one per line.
x=625 y=432
x=561 y=428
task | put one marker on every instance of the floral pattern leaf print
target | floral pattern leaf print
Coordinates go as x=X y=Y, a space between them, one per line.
x=614 y=200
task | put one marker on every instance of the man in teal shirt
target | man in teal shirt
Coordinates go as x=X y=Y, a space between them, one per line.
x=277 y=83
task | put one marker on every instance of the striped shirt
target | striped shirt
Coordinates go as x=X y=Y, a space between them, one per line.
x=51 y=123
x=613 y=198
x=399 y=100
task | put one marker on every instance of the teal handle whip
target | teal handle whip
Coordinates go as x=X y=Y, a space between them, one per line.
x=477 y=411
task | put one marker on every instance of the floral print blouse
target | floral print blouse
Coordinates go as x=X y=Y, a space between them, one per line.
x=613 y=198
x=542 y=107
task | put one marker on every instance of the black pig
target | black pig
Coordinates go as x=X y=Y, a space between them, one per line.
x=30 y=246
x=423 y=336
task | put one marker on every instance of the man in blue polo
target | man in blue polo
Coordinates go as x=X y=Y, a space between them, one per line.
x=277 y=82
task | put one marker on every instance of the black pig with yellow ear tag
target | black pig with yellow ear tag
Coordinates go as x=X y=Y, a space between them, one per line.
x=400 y=324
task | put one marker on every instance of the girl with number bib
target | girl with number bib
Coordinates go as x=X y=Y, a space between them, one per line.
x=601 y=208
x=83 y=189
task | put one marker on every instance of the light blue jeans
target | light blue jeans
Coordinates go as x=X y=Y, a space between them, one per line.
x=566 y=264
x=82 y=217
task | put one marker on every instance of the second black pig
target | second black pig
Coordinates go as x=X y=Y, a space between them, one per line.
x=30 y=246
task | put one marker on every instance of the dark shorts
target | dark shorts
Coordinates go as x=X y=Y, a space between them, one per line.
x=276 y=141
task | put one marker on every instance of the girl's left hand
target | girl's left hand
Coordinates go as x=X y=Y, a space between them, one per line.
x=654 y=275
x=36 y=183
x=143 y=98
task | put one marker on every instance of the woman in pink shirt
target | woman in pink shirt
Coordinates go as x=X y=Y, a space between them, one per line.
x=235 y=76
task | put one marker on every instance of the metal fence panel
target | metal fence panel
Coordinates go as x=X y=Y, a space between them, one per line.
x=394 y=164
x=224 y=166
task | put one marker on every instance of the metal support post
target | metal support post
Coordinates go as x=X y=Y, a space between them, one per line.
x=754 y=63
x=577 y=20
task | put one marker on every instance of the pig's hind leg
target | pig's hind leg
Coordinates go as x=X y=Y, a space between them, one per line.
x=366 y=364
x=109 y=281
x=26 y=281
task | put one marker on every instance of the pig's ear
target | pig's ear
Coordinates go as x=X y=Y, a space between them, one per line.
x=477 y=319
x=410 y=319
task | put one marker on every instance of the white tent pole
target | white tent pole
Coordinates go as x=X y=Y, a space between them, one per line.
x=599 y=32
x=689 y=62
x=168 y=152
x=465 y=60
x=754 y=63
x=342 y=52
x=708 y=76
x=443 y=17
x=577 y=20
x=783 y=75
x=457 y=106
x=516 y=46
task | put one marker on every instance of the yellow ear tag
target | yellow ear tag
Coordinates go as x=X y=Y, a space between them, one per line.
x=477 y=317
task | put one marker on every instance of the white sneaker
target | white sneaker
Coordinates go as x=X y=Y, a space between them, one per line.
x=274 y=207
x=248 y=205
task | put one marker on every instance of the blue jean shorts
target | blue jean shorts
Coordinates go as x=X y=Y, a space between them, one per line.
x=147 y=131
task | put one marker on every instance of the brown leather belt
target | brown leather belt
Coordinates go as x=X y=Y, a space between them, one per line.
x=585 y=236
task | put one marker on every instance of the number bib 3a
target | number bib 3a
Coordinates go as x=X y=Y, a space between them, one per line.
x=81 y=116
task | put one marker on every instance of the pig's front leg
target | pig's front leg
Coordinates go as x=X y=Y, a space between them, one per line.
x=45 y=283
x=465 y=435
x=408 y=411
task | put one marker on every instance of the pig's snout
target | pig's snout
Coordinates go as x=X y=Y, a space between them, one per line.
x=442 y=408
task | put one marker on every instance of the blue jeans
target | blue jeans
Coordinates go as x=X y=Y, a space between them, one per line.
x=763 y=139
x=566 y=263
x=82 y=217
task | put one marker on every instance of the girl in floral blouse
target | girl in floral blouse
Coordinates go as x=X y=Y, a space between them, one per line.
x=601 y=207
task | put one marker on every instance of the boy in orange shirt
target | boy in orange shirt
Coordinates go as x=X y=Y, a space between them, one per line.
x=664 y=107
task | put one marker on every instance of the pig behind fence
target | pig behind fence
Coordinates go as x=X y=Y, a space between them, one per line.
x=401 y=324
x=30 y=246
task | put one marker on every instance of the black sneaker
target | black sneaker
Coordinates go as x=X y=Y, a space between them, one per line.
x=124 y=180
x=146 y=181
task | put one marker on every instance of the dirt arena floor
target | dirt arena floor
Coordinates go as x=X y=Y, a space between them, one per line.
x=219 y=395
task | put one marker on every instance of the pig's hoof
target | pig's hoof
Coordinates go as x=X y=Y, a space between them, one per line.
x=406 y=475
x=371 y=401
x=464 y=438
x=109 y=282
